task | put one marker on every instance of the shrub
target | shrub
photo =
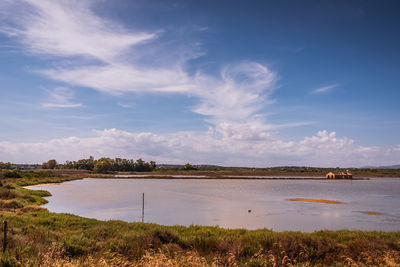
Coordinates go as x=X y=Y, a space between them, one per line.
x=7 y=194
x=12 y=174
x=10 y=204
x=189 y=167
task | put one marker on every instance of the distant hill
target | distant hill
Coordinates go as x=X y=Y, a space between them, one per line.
x=392 y=167
x=389 y=167
x=25 y=166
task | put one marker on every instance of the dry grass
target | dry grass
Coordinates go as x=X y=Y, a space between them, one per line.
x=165 y=259
x=30 y=209
x=10 y=204
x=56 y=256
x=39 y=185
x=316 y=200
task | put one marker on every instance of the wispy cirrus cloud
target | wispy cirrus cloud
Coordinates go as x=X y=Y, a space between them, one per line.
x=237 y=95
x=61 y=97
x=70 y=29
x=131 y=78
x=125 y=105
x=325 y=89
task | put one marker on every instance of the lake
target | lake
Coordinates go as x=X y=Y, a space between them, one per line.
x=250 y=204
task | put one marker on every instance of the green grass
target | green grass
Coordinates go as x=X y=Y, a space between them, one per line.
x=34 y=232
x=38 y=237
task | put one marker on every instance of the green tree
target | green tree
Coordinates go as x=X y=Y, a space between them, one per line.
x=85 y=164
x=5 y=166
x=108 y=164
x=68 y=165
x=51 y=164
x=103 y=165
x=140 y=165
x=153 y=165
x=189 y=166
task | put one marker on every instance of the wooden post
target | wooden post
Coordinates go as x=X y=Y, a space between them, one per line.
x=143 y=207
x=5 y=236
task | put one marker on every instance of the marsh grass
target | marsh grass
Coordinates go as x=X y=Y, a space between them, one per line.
x=77 y=241
x=37 y=237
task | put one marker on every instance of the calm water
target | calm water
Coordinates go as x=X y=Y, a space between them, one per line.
x=226 y=202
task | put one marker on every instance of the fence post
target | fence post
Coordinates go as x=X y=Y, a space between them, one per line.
x=5 y=236
x=143 y=207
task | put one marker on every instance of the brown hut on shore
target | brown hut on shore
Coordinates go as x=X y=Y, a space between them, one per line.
x=330 y=175
x=342 y=175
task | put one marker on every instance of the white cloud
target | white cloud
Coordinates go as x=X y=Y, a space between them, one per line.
x=224 y=145
x=324 y=138
x=61 y=97
x=325 y=89
x=69 y=28
x=123 y=78
x=240 y=92
x=125 y=105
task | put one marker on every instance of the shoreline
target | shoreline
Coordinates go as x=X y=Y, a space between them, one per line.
x=237 y=178
x=156 y=177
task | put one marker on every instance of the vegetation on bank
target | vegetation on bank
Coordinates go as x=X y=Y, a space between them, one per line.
x=38 y=237
x=107 y=165
x=5 y=166
x=103 y=165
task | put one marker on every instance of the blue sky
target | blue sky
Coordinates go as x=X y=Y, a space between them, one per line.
x=228 y=82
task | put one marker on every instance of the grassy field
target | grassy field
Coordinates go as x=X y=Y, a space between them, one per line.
x=38 y=237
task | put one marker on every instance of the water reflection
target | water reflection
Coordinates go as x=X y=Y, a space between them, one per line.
x=226 y=202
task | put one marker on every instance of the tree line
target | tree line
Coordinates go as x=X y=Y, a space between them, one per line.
x=5 y=165
x=103 y=165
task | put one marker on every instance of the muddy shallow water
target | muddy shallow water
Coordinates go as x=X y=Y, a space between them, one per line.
x=364 y=204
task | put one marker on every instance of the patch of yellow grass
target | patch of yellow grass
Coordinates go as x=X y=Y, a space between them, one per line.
x=162 y=259
x=370 y=212
x=316 y=200
x=39 y=185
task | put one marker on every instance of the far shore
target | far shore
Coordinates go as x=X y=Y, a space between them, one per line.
x=226 y=173
x=196 y=177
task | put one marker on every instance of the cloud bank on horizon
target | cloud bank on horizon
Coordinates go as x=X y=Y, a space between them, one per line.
x=86 y=50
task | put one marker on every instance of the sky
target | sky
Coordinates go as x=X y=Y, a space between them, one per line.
x=231 y=83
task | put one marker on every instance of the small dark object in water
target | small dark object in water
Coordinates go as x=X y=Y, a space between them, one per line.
x=249 y=211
